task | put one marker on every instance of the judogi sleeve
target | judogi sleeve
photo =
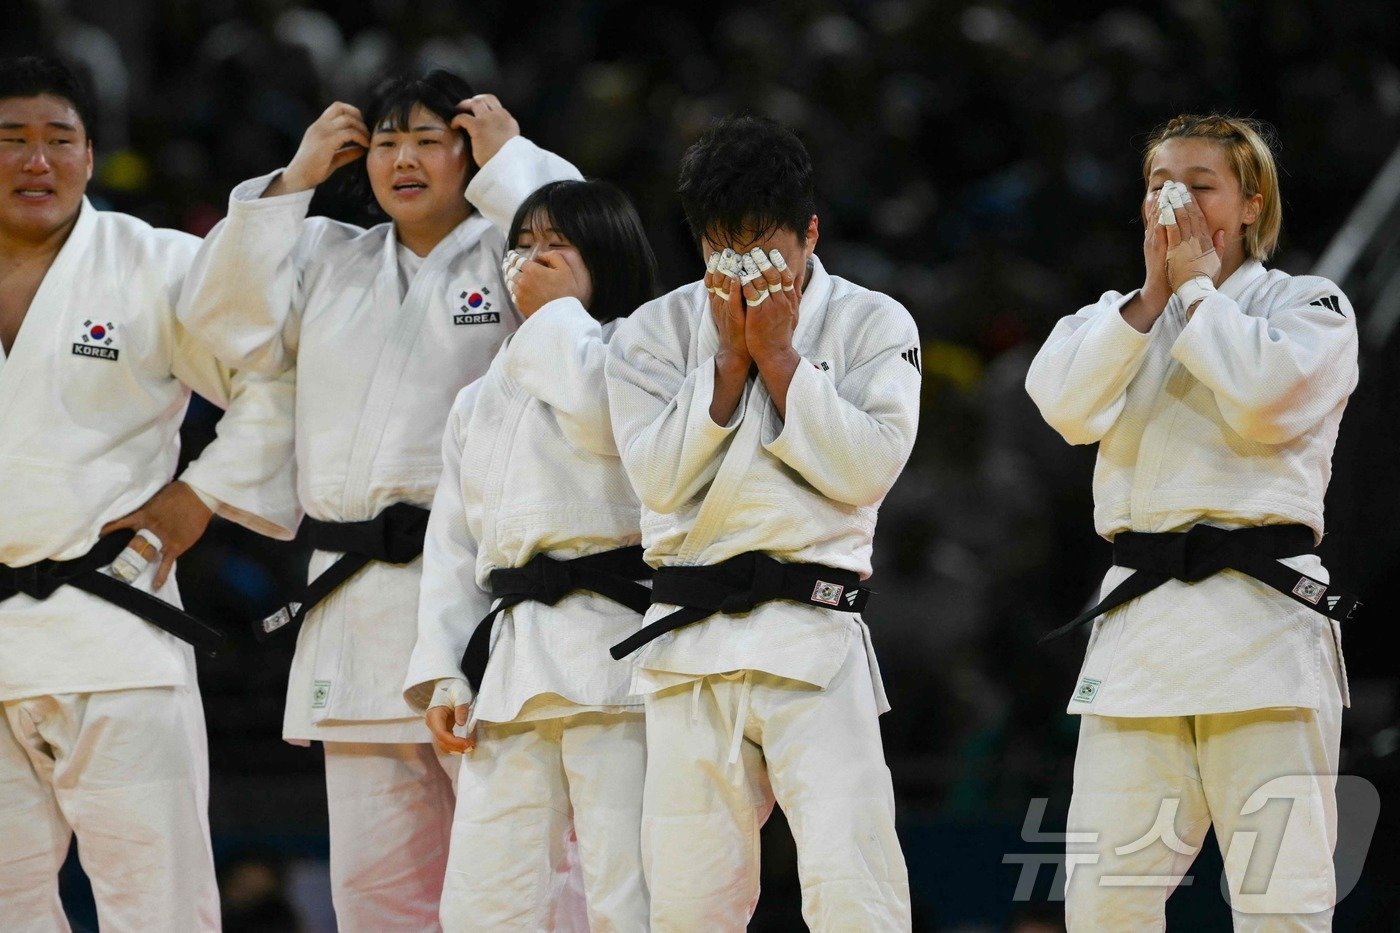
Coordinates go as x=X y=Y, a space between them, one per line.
x=850 y=441
x=517 y=170
x=249 y=469
x=1274 y=376
x=450 y=603
x=247 y=473
x=670 y=447
x=557 y=356
x=243 y=296
x=1079 y=379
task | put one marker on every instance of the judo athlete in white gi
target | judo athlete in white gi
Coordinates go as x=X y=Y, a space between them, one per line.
x=534 y=524
x=379 y=329
x=1214 y=393
x=103 y=731
x=761 y=425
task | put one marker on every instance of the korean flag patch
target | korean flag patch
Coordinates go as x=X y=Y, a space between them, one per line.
x=474 y=307
x=97 y=341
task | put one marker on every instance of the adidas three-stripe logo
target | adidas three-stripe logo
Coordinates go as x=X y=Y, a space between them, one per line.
x=1330 y=302
x=911 y=356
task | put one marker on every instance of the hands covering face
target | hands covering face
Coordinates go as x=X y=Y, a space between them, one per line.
x=1193 y=252
x=534 y=282
x=754 y=303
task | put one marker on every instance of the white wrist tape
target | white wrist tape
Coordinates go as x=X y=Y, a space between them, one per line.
x=451 y=692
x=1195 y=289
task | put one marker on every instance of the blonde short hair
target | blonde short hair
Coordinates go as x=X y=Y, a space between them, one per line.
x=1248 y=150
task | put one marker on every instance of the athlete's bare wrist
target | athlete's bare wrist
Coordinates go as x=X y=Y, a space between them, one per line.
x=729 y=363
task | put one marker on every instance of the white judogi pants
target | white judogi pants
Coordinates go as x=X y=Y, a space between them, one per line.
x=1211 y=765
x=818 y=752
x=526 y=789
x=128 y=772
x=390 y=821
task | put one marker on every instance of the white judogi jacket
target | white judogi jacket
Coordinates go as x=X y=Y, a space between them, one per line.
x=803 y=491
x=1228 y=419
x=91 y=400
x=376 y=371
x=529 y=467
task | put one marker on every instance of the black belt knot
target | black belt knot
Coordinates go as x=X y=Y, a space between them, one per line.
x=741 y=584
x=544 y=579
x=394 y=536
x=1205 y=550
x=751 y=581
x=1199 y=553
x=541 y=578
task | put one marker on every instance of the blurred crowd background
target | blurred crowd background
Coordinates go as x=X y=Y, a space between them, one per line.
x=980 y=162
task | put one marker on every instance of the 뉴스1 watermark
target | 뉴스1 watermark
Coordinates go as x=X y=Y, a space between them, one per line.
x=1251 y=854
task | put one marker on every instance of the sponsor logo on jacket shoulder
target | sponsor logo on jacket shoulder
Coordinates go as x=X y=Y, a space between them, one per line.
x=98 y=340
x=474 y=307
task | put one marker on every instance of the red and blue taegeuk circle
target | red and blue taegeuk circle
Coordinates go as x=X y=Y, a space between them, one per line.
x=474 y=300
x=97 y=332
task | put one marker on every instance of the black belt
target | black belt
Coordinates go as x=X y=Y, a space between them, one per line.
x=1205 y=551
x=613 y=574
x=738 y=585
x=394 y=536
x=40 y=580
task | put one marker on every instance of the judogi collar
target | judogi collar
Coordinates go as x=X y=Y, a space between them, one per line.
x=1241 y=278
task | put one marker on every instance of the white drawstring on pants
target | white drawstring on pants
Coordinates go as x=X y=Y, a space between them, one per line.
x=695 y=701
x=740 y=718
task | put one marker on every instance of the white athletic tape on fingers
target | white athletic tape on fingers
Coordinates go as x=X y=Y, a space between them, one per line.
x=128 y=566
x=749 y=270
x=450 y=693
x=761 y=260
x=1166 y=216
x=131 y=563
x=755 y=302
x=778 y=260
x=775 y=288
x=712 y=262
